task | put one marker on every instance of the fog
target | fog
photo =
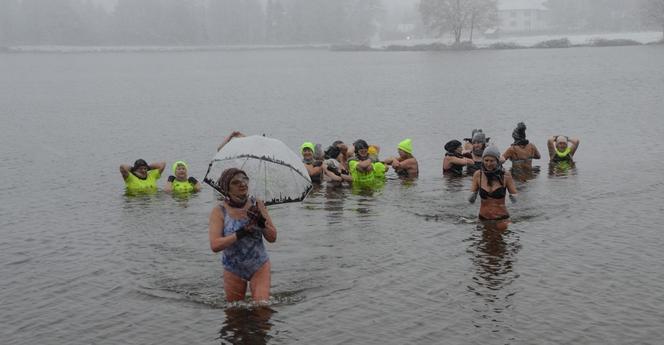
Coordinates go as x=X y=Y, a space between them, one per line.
x=296 y=22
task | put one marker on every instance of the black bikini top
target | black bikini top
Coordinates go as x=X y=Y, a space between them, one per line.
x=496 y=194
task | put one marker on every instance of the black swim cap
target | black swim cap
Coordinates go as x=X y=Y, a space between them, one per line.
x=360 y=144
x=452 y=145
x=140 y=163
x=332 y=152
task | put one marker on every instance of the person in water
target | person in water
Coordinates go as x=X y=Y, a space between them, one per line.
x=493 y=183
x=142 y=177
x=237 y=227
x=180 y=181
x=405 y=165
x=315 y=167
x=521 y=152
x=454 y=161
x=562 y=148
x=363 y=171
x=234 y=134
x=336 y=164
x=475 y=149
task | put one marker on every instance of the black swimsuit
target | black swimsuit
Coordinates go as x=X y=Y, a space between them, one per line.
x=496 y=194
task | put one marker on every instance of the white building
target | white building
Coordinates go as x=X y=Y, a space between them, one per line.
x=522 y=16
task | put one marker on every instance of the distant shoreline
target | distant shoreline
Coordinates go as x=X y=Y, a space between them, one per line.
x=507 y=43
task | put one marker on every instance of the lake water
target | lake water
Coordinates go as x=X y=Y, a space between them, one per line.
x=81 y=263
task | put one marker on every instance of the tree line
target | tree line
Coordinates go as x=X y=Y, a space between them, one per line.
x=187 y=22
x=460 y=18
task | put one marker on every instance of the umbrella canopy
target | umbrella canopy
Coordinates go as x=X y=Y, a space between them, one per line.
x=276 y=174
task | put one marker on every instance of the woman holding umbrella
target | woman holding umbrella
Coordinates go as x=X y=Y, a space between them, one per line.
x=237 y=227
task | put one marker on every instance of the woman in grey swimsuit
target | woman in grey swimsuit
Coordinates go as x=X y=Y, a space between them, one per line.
x=237 y=227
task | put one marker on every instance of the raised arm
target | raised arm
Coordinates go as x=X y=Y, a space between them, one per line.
x=157 y=165
x=270 y=231
x=575 y=142
x=234 y=134
x=125 y=170
x=551 y=145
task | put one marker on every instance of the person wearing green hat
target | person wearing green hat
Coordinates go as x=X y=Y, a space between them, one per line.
x=180 y=181
x=314 y=166
x=142 y=177
x=405 y=165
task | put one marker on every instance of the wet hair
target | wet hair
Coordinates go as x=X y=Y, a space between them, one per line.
x=452 y=145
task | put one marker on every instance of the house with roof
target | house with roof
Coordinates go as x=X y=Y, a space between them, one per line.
x=522 y=16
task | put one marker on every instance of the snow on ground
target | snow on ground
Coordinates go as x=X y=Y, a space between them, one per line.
x=529 y=41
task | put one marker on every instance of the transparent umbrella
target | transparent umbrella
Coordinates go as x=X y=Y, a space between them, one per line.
x=276 y=174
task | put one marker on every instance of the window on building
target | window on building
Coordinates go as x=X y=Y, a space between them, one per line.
x=513 y=14
x=527 y=23
x=513 y=23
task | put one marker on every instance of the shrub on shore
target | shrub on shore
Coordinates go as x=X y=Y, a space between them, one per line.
x=559 y=43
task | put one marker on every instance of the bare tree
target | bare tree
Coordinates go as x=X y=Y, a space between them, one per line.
x=483 y=13
x=454 y=16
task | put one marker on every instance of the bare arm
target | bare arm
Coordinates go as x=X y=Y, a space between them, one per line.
x=169 y=187
x=234 y=134
x=550 y=144
x=475 y=184
x=575 y=142
x=364 y=165
x=125 y=170
x=536 y=154
x=509 y=183
x=197 y=186
x=157 y=165
x=218 y=241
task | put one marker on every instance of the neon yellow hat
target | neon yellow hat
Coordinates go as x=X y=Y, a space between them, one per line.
x=307 y=145
x=175 y=166
x=406 y=146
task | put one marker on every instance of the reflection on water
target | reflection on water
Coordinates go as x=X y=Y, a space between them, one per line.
x=493 y=255
x=524 y=173
x=246 y=325
x=557 y=169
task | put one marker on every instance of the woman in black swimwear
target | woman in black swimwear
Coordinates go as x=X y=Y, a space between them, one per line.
x=493 y=183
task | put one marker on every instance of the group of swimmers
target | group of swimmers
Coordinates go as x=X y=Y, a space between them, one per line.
x=239 y=223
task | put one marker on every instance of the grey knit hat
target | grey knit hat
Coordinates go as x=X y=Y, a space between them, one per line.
x=492 y=151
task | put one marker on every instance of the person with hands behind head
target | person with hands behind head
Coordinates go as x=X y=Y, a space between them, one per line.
x=562 y=148
x=237 y=227
x=180 y=181
x=142 y=177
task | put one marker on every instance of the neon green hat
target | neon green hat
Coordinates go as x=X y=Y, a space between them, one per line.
x=307 y=145
x=406 y=146
x=175 y=166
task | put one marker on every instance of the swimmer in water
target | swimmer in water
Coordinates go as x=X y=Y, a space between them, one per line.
x=521 y=152
x=180 y=181
x=142 y=177
x=237 y=227
x=405 y=165
x=315 y=167
x=454 y=161
x=474 y=149
x=562 y=148
x=492 y=183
